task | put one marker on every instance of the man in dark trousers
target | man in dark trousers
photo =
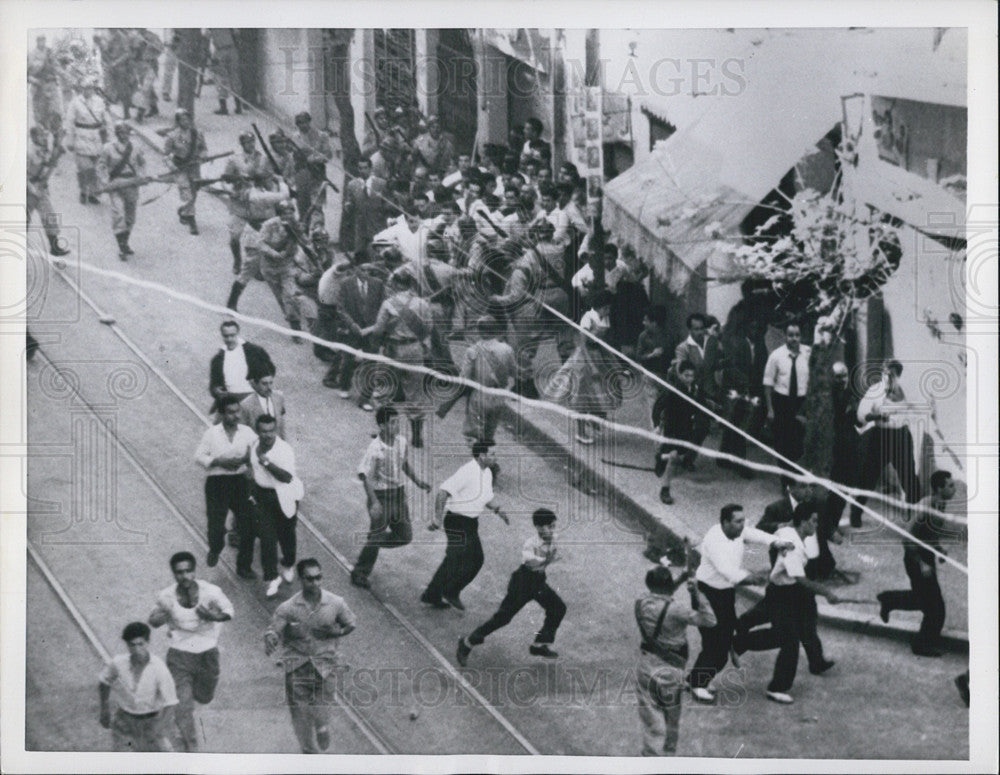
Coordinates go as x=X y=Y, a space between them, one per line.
x=359 y=299
x=843 y=471
x=527 y=583
x=460 y=500
x=676 y=415
x=230 y=366
x=786 y=380
x=719 y=573
x=788 y=603
x=924 y=593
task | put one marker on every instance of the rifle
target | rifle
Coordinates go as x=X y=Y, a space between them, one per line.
x=205 y=160
x=134 y=183
x=297 y=150
x=267 y=151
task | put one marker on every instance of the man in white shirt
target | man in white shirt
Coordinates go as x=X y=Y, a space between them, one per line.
x=550 y=211
x=381 y=472
x=720 y=572
x=786 y=380
x=460 y=500
x=144 y=693
x=788 y=596
x=230 y=366
x=409 y=233
x=222 y=452
x=886 y=438
x=275 y=493
x=194 y=611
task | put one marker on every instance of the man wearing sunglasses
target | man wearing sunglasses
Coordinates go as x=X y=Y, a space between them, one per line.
x=307 y=626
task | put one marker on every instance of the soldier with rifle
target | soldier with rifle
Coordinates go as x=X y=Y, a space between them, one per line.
x=274 y=246
x=88 y=121
x=122 y=165
x=238 y=173
x=311 y=149
x=44 y=79
x=184 y=148
x=42 y=160
x=257 y=199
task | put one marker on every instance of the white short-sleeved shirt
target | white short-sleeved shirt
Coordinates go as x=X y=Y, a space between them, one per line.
x=791 y=565
x=470 y=488
x=778 y=370
x=153 y=691
x=188 y=631
x=536 y=554
x=382 y=464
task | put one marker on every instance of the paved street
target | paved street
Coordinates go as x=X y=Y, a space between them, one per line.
x=145 y=502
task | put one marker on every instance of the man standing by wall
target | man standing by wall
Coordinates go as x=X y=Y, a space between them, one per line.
x=194 y=611
x=308 y=626
x=786 y=380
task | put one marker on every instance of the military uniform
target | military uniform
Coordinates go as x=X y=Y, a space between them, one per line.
x=246 y=166
x=258 y=205
x=274 y=248
x=405 y=322
x=491 y=363
x=88 y=124
x=40 y=162
x=185 y=147
x=43 y=75
x=530 y=286
x=119 y=74
x=310 y=172
x=226 y=69
x=146 y=50
x=121 y=162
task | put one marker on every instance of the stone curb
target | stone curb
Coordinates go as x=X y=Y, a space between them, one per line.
x=661 y=535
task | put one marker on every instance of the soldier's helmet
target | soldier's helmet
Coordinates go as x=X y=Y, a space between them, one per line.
x=247 y=137
x=122 y=128
x=319 y=234
x=179 y=114
x=285 y=207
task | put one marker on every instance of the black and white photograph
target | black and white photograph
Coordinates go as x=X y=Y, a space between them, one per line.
x=374 y=401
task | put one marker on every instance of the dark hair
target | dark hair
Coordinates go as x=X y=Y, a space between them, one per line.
x=183 y=557
x=535 y=123
x=696 y=316
x=602 y=298
x=229 y=400
x=262 y=370
x=308 y=562
x=790 y=323
x=449 y=205
x=685 y=365
x=229 y=324
x=895 y=367
x=728 y=512
x=135 y=630
x=802 y=512
x=660 y=579
x=486 y=325
x=939 y=479
x=420 y=195
x=264 y=419
x=385 y=413
x=658 y=314
x=480 y=448
x=712 y=320
x=548 y=190
x=543 y=517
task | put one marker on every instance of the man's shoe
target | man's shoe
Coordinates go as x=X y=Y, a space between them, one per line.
x=83 y=198
x=323 y=738
x=665 y=496
x=927 y=651
x=702 y=694
x=212 y=560
x=273 y=586
x=454 y=601
x=433 y=602
x=542 y=650
x=345 y=394
x=821 y=668
x=883 y=610
x=462 y=654
x=56 y=249
x=782 y=697
x=288 y=574
x=366 y=406
x=193 y=226
x=360 y=580
x=249 y=575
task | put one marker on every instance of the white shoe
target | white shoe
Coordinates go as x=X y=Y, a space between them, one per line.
x=784 y=699
x=273 y=586
x=702 y=694
x=345 y=394
x=288 y=574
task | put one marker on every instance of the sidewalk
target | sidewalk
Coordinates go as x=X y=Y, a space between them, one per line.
x=873 y=551
x=633 y=495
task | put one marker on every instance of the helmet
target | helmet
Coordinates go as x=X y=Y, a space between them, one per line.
x=285 y=206
x=247 y=137
x=180 y=113
x=321 y=234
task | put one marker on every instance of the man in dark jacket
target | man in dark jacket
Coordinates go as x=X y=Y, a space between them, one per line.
x=232 y=363
x=358 y=301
